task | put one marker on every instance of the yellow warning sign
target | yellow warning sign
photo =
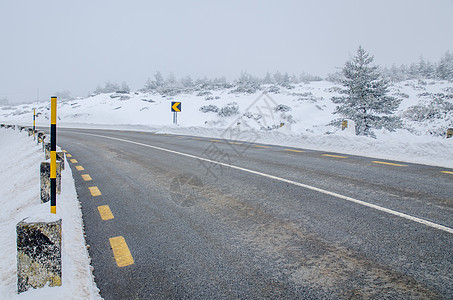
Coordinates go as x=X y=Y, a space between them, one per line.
x=176 y=106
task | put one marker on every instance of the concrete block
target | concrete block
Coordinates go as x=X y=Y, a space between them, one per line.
x=41 y=137
x=449 y=133
x=38 y=254
x=60 y=158
x=348 y=127
x=47 y=150
x=45 y=180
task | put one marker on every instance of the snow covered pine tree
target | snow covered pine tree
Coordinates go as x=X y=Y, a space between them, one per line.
x=366 y=101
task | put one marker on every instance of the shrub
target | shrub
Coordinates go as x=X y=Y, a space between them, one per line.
x=209 y=108
x=230 y=109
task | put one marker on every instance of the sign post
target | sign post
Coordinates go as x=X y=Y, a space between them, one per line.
x=53 y=155
x=175 y=108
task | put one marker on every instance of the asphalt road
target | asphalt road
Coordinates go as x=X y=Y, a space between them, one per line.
x=206 y=218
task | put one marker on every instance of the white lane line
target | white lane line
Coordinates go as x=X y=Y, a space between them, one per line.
x=333 y=194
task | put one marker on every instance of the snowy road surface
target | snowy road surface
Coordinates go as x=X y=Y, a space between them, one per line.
x=282 y=223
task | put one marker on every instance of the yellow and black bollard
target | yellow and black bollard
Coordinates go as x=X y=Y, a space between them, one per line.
x=34 y=123
x=53 y=155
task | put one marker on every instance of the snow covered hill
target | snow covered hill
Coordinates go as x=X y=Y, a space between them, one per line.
x=296 y=115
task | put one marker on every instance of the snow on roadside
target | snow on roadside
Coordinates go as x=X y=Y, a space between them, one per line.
x=397 y=146
x=20 y=158
x=307 y=112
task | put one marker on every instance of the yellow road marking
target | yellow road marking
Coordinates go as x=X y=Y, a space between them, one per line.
x=337 y=156
x=105 y=212
x=68 y=155
x=215 y=141
x=79 y=168
x=259 y=146
x=121 y=252
x=447 y=172
x=387 y=163
x=86 y=177
x=74 y=161
x=196 y=138
x=94 y=191
x=64 y=151
x=292 y=150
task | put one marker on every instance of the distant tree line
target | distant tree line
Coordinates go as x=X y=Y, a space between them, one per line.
x=248 y=83
x=423 y=69
x=111 y=87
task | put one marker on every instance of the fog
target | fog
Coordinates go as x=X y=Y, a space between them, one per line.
x=55 y=46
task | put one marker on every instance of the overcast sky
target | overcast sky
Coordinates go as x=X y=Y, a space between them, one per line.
x=77 y=45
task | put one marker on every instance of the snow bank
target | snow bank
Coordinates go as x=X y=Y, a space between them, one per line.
x=306 y=110
x=20 y=158
x=398 y=146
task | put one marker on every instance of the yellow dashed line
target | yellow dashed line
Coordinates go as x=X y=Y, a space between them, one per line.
x=336 y=156
x=447 y=172
x=196 y=138
x=387 y=163
x=74 y=161
x=68 y=155
x=64 y=151
x=259 y=146
x=215 y=141
x=292 y=150
x=105 y=212
x=79 y=168
x=86 y=177
x=94 y=191
x=121 y=252
x=235 y=143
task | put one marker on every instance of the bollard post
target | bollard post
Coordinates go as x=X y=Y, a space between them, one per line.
x=344 y=124
x=449 y=133
x=53 y=156
x=40 y=137
x=34 y=123
x=44 y=170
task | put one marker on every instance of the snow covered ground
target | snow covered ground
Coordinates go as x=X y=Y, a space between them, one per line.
x=304 y=109
x=20 y=158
